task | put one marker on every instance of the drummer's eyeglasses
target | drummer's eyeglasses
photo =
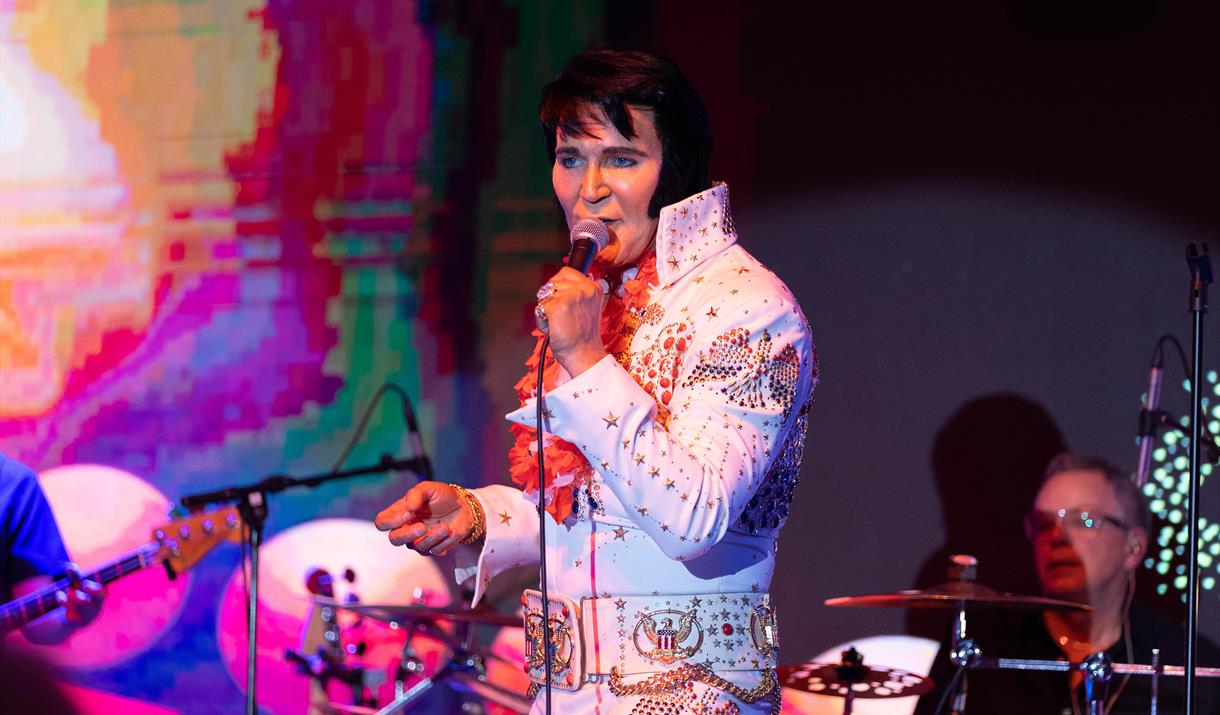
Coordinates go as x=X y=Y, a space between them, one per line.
x=1082 y=521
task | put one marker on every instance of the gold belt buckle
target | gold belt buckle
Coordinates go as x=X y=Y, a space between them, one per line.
x=566 y=646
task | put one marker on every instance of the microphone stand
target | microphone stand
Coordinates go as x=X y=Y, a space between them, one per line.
x=252 y=505
x=1200 y=277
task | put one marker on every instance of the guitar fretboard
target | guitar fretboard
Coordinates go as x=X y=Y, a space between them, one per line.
x=25 y=609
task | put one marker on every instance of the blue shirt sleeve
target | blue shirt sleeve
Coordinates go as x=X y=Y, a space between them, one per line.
x=30 y=542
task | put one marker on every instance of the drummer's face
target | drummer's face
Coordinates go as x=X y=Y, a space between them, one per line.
x=1078 y=564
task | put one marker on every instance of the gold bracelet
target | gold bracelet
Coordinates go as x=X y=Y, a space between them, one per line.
x=476 y=514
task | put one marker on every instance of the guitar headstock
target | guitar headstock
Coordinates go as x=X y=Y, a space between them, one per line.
x=185 y=540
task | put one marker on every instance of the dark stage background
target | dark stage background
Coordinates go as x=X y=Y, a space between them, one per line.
x=982 y=208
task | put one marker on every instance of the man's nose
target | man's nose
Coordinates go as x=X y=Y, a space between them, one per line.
x=593 y=185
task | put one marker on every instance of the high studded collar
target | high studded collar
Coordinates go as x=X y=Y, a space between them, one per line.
x=692 y=231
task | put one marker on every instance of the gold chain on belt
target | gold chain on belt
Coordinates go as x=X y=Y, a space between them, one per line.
x=671 y=680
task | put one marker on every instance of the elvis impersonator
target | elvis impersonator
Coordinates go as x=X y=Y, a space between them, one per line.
x=676 y=398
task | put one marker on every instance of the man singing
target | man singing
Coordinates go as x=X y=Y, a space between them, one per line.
x=677 y=391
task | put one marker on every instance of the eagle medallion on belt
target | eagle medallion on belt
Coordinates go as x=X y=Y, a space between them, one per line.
x=669 y=642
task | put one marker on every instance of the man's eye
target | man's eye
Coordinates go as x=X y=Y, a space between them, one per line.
x=622 y=162
x=567 y=162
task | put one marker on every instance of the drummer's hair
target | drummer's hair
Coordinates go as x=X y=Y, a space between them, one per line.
x=1134 y=503
x=611 y=80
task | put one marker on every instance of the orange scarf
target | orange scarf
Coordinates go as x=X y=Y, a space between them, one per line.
x=567 y=470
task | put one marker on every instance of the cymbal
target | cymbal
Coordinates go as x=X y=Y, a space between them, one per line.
x=394 y=612
x=863 y=681
x=947 y=595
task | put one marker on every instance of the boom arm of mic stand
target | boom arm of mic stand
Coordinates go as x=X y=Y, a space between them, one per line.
x=279 y=482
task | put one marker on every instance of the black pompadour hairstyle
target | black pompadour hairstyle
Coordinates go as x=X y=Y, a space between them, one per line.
x=610 y=80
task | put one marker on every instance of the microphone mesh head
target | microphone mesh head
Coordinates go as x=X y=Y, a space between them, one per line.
x=592 y=229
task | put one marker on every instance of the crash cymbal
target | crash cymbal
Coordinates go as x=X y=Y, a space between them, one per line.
x=947 y=595
x=397 y=612
x=836 y=679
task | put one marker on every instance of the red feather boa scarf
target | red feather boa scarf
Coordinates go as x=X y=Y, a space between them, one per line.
x=566 y=468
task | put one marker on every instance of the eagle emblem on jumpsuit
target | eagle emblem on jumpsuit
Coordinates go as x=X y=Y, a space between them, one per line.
x=668 y=640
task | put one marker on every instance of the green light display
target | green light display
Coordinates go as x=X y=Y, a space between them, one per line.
x=1168 y=491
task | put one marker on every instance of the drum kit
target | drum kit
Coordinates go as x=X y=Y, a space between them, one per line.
x=464 y=668
x=436 y=648
x=851 y=678
x=467 y=665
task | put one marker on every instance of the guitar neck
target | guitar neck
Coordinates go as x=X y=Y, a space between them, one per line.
x=16 y=614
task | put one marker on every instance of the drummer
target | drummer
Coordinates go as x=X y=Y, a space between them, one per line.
x=1089 y=531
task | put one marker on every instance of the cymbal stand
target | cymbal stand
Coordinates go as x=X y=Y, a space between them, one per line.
x=409 y=664
x=851 y=670
x=964 y=653
x=1097 y=669
x=1156 y=679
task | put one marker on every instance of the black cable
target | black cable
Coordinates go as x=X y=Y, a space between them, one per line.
x=1160 y=344
x=950 y=688
x=546 y=600
x=408 y=414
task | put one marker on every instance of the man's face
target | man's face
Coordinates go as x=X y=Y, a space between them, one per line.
x=1075 y=563
x=606 y=176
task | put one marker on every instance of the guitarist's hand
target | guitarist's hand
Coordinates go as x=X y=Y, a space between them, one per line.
x=82 y=600
x=431 y=518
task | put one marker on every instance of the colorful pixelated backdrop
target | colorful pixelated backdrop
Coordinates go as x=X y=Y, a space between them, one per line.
x=224 y=224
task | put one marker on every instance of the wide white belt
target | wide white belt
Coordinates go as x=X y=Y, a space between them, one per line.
x=638 y=635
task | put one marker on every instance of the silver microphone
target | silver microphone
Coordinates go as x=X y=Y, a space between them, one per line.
x=588 y=235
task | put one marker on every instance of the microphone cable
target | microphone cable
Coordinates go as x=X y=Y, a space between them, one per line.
x=423 y=465
x=546 y=600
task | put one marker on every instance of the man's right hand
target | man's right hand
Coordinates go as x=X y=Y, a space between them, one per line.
x=430 y=518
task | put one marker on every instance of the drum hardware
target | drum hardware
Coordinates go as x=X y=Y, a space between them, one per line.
x=398 y=615
x=1098 y=669
x=850 y=678
x=465 y=670
x=323 y=656
x=962 y=590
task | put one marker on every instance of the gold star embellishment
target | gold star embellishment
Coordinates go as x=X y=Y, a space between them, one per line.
x=742 y=269
x=673 y=262
x=505 y=517
x=620 y=604
x=653 y=471
x=711 y=312
x=639 y=459
x=620 y=534
x=611 y=420
x=669 y=484
x=703 y=231
x=698 y=279
x=643 y=510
